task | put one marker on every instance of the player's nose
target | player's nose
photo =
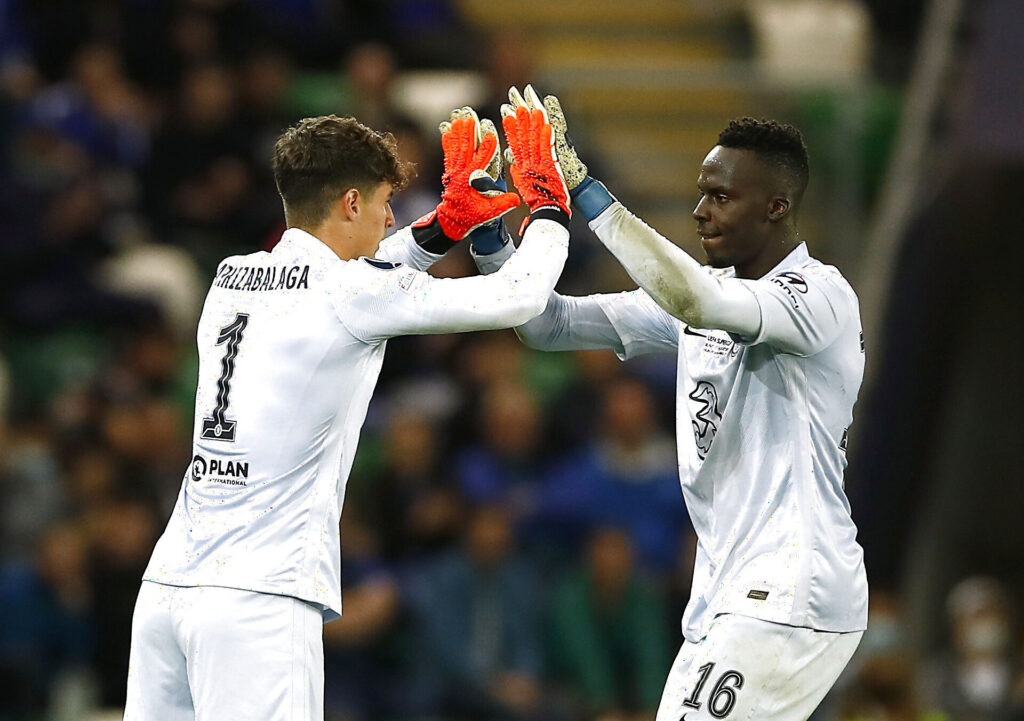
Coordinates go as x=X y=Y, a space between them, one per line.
x=700 y=211
x=389 y=220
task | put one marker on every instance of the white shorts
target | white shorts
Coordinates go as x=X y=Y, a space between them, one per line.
x=220 y=654
x=746 y=668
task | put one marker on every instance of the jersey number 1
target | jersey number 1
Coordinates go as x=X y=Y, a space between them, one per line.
x=218 y=428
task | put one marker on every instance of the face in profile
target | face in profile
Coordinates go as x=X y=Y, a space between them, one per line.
x=373 y=219
x=733 y=211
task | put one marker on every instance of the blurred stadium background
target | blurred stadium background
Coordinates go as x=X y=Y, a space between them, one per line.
x=514 y=541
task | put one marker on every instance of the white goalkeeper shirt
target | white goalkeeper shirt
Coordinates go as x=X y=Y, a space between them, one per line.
x=761 y=427
x=290 y=348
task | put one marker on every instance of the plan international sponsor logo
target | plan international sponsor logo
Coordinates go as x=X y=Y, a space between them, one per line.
x=216 y=470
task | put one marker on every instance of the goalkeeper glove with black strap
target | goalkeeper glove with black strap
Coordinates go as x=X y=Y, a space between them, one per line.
x=533 y=162
x=471 y=196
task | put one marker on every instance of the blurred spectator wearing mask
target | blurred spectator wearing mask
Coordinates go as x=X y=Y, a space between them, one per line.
x=607 y=641
x=879 y=682
x=476 y=615
x=974 y=681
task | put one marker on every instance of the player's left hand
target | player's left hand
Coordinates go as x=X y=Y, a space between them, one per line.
x=472 y=165
x=533 y=162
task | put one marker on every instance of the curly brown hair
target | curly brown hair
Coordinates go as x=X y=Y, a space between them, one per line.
x=318 y=159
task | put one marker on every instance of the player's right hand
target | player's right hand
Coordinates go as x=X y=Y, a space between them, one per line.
x=472 y=162
x=534 y=164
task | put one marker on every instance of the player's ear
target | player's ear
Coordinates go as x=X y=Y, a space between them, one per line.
x=778 y=207
x=350 y=203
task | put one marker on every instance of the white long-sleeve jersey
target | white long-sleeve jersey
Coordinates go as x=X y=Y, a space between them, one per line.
x=290 y=348
x=761 y=423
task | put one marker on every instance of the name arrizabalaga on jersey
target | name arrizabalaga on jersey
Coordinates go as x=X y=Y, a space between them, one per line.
x=284 y=277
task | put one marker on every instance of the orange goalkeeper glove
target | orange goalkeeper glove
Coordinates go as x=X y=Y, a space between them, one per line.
x=534 y=164
x=470 y=196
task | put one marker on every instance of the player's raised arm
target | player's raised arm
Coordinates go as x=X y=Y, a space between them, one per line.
x=628 y=323
x=378 y=300
x=677 y=282
x=473 y=198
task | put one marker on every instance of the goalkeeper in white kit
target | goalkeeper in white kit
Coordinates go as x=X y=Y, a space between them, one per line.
x=228 y=623
x=770 y=360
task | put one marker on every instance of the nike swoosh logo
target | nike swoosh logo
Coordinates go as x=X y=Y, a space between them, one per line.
x=688 y=331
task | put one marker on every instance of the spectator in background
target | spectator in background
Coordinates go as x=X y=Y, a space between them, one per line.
x=200 y=174
x=576 y=411
x=370 y=69
x=607 y=640
x=883 y=690
x=475 y=611
x=19 y=77
x=626 y=478
x=430 y=33
x=974 y=680
x=98 y=108
x=363 y=654
x=508 y=59
x=409 y=502
x=879 y=682
x=32 y=497
x=92 y=478
x=420 y=196
x=264 y=80
x=122 y=534
x=506 y=466
x=48 y=627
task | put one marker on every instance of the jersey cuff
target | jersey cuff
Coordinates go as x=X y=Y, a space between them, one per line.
x=428 y=235
x=591 y=198
x=605 y=215
x=488 y=263
x=549 y=212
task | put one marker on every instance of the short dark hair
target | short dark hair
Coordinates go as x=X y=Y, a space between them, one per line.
x=780 y=144
x=318 y=159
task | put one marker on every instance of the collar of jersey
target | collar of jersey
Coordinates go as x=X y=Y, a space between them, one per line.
x=795 y=257
x=310 y=245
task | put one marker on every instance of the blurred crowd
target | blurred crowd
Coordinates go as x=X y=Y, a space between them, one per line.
x=514 y=541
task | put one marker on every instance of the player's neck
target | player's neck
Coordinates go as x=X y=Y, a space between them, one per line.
x=332 y=233
x=772 y=254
